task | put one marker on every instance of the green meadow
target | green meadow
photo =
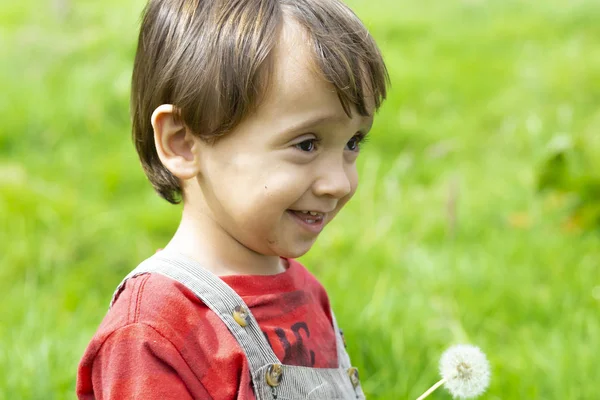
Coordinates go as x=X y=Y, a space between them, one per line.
x=476 y=220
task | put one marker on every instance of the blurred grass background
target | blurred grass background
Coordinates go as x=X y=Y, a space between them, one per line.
x=476 y=220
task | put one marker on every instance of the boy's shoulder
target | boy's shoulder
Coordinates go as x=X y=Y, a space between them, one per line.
x=158 y=302
x=157 y=327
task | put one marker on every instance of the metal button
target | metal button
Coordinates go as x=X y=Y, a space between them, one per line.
x=241 y=315
x=353 y=374
x=274 y=375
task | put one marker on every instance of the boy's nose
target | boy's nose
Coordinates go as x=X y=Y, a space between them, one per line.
x=336 y=180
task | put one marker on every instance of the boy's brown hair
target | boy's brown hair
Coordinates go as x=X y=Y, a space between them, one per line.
x=211 y=60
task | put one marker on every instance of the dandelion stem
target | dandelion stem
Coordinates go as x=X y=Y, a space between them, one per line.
x=432 y=389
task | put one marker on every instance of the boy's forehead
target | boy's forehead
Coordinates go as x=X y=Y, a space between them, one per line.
x=295 y=79
x=293 y=57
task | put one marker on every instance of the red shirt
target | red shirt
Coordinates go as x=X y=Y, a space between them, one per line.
x=159 y=341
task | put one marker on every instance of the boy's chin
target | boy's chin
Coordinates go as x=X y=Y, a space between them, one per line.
x=295 y=251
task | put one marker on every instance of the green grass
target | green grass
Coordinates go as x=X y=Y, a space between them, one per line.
x=446 y=241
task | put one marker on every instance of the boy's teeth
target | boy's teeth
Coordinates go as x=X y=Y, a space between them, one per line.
x=310 y=212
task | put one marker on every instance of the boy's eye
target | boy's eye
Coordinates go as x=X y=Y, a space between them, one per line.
x=306 y=145
x=354 y=143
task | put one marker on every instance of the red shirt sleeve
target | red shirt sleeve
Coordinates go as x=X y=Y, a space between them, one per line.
x=136 y=362
x=134 y=354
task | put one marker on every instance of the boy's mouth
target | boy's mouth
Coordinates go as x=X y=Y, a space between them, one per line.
x=314 y=221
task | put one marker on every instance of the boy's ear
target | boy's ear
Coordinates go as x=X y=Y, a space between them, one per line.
x=176 y=146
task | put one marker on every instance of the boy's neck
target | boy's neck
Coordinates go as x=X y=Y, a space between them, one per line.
x=201 y=239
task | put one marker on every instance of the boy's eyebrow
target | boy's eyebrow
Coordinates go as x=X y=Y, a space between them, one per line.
x=366 y=123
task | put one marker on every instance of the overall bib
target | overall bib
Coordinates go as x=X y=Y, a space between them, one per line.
x=270 y=378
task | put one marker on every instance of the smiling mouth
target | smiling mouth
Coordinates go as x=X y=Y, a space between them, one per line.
x=309 y=216
x=313 y=221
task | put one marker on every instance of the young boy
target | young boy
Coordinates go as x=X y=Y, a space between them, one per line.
x=251 y=113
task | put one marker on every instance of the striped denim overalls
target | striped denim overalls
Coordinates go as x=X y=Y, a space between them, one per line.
x=271 y=379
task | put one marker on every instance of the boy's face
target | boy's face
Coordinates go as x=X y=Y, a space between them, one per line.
x=297 y=152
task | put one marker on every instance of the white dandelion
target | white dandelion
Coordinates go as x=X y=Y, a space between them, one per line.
x=465 y=372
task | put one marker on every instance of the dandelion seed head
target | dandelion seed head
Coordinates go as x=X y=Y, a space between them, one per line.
x=466 y=371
